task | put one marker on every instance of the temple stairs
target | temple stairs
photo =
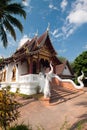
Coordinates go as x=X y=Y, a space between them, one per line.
x=61 y=92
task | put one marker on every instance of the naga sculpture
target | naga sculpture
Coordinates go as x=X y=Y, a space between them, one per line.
x=79 y=79
x=48 y=77
x=44 y=81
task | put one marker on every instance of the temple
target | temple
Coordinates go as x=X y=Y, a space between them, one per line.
x=21 y=70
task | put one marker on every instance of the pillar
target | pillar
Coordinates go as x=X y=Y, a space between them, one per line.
x=38 y=64
x=30 y=62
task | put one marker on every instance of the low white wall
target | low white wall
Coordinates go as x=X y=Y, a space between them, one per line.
x=27 y=84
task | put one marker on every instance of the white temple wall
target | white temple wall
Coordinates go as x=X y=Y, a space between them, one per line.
x=22 y=68
x=6 y=72
x=9 y=72
x=66 y=71
x=26 y=83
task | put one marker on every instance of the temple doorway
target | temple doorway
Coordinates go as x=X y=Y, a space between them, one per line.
x=44 y=65
x=34 y=67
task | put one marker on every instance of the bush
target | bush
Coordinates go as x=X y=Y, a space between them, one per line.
x=21 y=127
x=25 y=127
x=8 y=109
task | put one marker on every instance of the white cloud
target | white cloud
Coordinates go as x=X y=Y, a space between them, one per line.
x=24 y=39
x=54 y=32
x=78 y=14
x=85 y=47
x=68 y=29
x=76 y=17
x=51 y=6
x=58 y=35
x=26 y=2
x=62 y=51
x=63 y=5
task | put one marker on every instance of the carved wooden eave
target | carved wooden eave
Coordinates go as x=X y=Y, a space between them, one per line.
x=45 y=40
x=33 y=47
x=4 y=62
x=56 y=60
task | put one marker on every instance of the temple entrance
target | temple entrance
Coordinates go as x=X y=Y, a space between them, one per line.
x=34 y=67
x=44 y=64
x=14 y=74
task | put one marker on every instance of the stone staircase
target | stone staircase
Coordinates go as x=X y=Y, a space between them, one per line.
x=60 y=94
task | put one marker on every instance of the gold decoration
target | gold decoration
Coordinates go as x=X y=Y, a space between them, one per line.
x=14 y=73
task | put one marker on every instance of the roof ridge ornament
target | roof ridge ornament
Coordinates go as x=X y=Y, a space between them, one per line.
x=36 y=34
x=48 y=27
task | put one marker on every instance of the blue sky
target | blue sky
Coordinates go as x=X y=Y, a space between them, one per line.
x=68 y=26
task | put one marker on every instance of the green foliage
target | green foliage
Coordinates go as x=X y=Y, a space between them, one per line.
x=1 y=59
x=80 y=63
x=25 y=127
x=35 y=96
x=65 y=125
x=8 y=88
x=21 y=127
x=40 y=127
x=80 y=125
x=62 y=59
x=8 y=109
x=38 y=89
x=17 y=90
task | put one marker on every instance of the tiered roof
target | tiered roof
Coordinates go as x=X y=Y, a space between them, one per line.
x=32 y=47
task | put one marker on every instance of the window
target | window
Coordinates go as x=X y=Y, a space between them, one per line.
x=14 y=74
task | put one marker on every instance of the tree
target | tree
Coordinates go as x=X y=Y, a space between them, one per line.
x=62 y=59
x=80 y=64
x=8 y=11
x=1 y=59
x=8 y=109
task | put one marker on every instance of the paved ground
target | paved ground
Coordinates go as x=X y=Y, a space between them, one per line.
x=53 y=117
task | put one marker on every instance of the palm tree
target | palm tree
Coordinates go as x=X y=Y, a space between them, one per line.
x=8 y=11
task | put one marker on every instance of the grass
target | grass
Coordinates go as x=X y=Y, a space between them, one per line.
x=77 y=126
x=80 y=125
x=65 y=125
x=21 y=127
x=25 y=127
x=35 y=96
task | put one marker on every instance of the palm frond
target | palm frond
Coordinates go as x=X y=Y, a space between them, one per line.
x=5 y=1
x=8 y=9
x=10 y=28
x=16 y=8
x=15 y=22
x=3 y=36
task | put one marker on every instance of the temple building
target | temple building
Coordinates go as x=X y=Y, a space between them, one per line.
x=21 y=70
